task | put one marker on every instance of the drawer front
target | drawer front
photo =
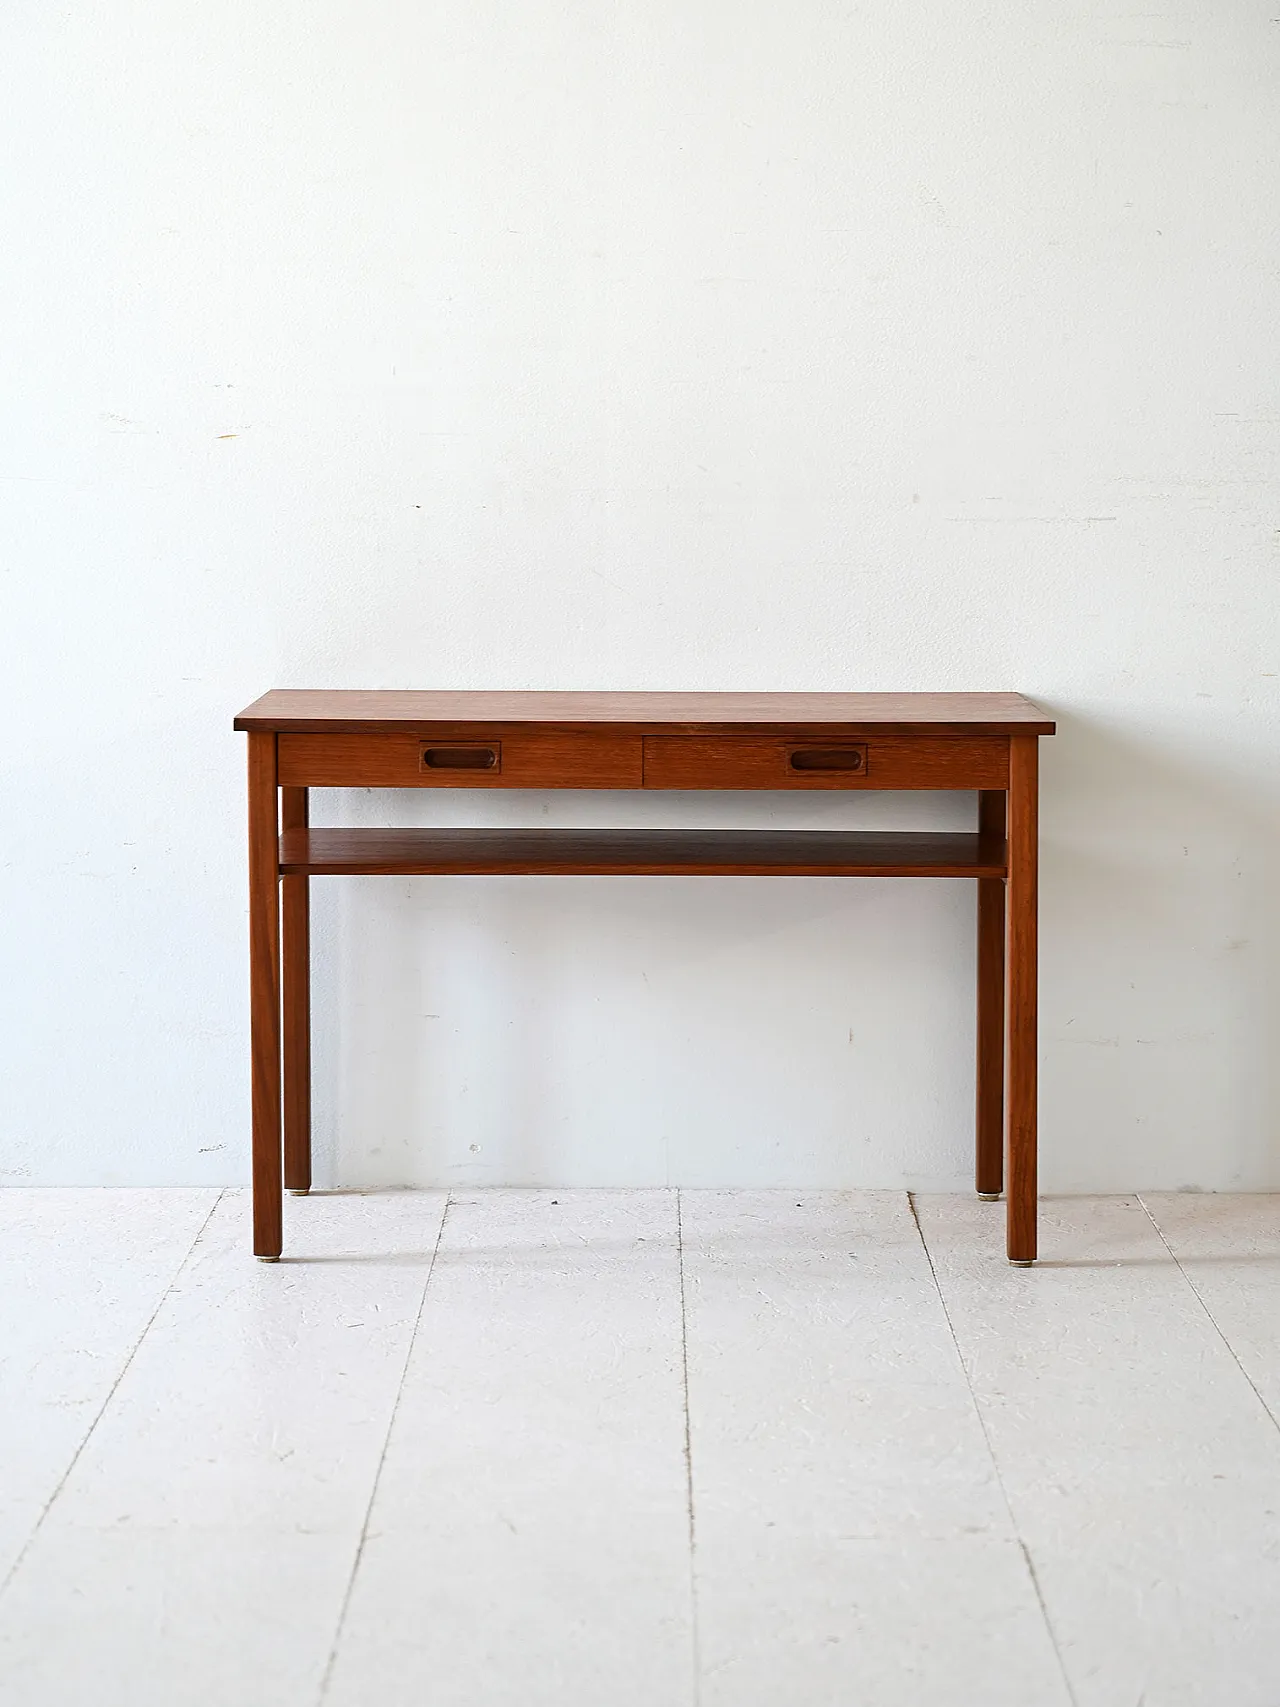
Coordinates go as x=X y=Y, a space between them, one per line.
x=462 y=758
x=800 y=761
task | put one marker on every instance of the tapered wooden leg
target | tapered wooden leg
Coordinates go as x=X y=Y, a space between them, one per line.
x=989 y=1171
x=1020 y=998
x=264 y=993
x=295 y=973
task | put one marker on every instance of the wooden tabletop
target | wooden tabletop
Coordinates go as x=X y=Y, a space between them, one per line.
x=357 y=711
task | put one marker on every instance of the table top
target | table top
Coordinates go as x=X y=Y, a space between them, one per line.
x=361 y=711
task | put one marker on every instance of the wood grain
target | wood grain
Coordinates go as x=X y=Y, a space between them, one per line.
x=1020 y=1000
x=530 y=758
x=295 y=977
x=989 y=1075
x=378 y=712
x=984 y=742
x=549 y=758
x=264 y=994
x=890 y=762
x=672 y=853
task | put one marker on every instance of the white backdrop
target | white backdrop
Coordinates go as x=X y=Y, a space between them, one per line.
x=661 y=344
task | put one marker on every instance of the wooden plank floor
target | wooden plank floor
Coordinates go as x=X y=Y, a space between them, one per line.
x=696 y=1449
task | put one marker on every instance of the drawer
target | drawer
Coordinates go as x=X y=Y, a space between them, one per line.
x=807 y=761
x=462 y=758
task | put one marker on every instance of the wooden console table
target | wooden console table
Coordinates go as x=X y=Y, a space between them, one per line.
x=985 y=742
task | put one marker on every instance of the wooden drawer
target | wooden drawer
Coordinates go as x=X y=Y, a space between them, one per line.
x=473 y=757
x=806 y=761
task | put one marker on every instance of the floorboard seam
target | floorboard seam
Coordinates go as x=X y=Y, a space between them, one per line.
x=995 y=1463
x=332 y=1661
x=1213 y=1321
x=688 y=1461
x=102 y=1408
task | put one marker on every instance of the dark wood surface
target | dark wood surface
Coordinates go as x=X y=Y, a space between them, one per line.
x=295 y=974
x=1020 y=1000
x=377 y=711
x=523 y=757
x=508 y=755
x=765 y=762
x=982 y=742
x=778 y=853
x=989 y=1075
x=264 y=993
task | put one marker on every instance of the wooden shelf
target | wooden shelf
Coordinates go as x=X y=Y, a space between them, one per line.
x=640 y=853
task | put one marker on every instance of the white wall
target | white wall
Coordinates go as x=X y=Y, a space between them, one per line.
x=664 y=344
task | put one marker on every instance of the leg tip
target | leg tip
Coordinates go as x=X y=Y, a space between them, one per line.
x=990 y=1196
x=267 y=1259
x=299 y=1191
x=1022 y=1262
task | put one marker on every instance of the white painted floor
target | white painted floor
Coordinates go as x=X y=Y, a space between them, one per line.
x=606 y=1449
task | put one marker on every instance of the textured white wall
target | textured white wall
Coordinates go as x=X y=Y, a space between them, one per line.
x=671 y=343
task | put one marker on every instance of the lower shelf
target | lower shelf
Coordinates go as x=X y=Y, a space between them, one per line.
x=640 y=853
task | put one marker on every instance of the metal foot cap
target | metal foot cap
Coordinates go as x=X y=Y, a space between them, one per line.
x=299 y=1191
x=268 y=1259
x=990 y=1196
x=1022 y=1262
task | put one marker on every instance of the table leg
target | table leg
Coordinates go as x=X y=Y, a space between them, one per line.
x=1020 y=999
x=989 y=1180
x=264 y=993
x=295 y=972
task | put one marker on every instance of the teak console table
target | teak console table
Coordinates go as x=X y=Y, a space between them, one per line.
x=985 y=742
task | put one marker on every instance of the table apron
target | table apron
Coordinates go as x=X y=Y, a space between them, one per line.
x=506 y=756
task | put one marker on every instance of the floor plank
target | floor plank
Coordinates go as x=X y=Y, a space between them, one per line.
x=1143 y=1474
x=867 y=1507
x=852 y=1541
x=201 y=1548
x=529 y=1539
x=81 y=1274
x=1229 y=1249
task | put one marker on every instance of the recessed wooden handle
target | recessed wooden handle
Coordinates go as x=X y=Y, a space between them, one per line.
x=460 y=758
x=829 y=759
